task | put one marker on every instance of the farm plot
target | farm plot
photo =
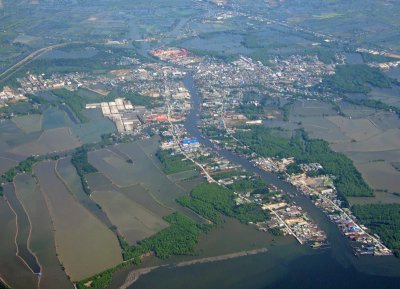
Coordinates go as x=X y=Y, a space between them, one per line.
x=134 y=221
x=41 y=241
x=85 y=246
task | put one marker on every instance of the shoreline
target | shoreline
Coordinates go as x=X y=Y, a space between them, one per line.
x=134 y=275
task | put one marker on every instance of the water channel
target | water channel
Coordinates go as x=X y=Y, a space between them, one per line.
x=336 y=267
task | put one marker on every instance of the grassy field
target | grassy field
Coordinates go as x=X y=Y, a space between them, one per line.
x=84 y=245
x=42 y=241
x=134 y=221
x=28 y=123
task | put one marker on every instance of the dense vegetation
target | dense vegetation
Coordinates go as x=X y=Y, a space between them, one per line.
x=356 y=78
x=74 y=101
x=384 y=220
x=348 y=181
x=180 y=238
x=251 y=184
x=212 y=200
x=286 y=108
x=24 y=166
x=98 y=281
x=80 y=161
x=173 y=163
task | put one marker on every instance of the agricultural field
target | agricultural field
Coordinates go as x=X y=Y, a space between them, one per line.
x=29 y=123
x=55 y=118
x=60 y=139
x=92 y=131
x=41 y=242
x=389 y=96
x=143 y=170
x=84 y=245
x=13 y=270
x=99 y=182
x=6 y=164
x=138 y=194
x=370 y=138
x=68 y=175
x=133 y=221
x=117 y=169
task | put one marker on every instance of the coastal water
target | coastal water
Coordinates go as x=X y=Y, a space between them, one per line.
x=281 y=266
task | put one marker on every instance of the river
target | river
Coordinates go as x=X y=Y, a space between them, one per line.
x=336 y=267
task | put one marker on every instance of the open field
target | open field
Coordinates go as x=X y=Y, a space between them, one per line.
x=177 y=177
x=92 y=131
x=355 y=111
x=84 y=245
x=143 y=197
x=143 y=171
x=13 y=270
x=149 y=174
x=99 y=182
x=113 y=166
x=133 y=221
x=388 y=140
x=66 y=172
x=55 y=118
x=11 y=135
x=389 y=96
x=381 y=175
x=28 y=123
x=60 y=139
x=190 y=184
x=6 y=164
x=41 y=241
x=356 y=129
